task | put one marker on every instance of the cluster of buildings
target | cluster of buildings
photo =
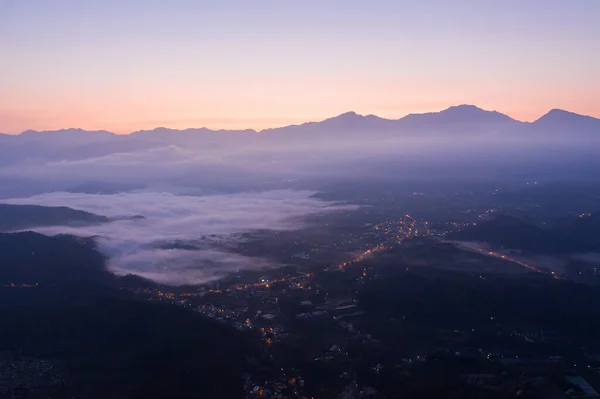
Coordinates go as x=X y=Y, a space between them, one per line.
x=21 y=374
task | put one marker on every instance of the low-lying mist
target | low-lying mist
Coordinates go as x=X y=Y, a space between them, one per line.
x=177 y=241
x=198 y=187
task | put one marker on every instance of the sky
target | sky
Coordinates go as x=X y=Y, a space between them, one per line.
x=138 y=64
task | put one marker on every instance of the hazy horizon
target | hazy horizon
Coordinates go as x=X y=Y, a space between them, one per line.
x=308 y=121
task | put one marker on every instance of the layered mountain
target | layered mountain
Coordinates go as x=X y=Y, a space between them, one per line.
x=463 y=116
x=202 y=137
x=66 y=136
x=460 y=114
x=558 y=118
x=343 y=131
x=467 y=118
x=346 y=122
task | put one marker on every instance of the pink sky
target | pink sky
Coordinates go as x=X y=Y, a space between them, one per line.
x=125 y=66
x=269 y=104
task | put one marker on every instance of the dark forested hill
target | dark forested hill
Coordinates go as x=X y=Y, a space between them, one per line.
x=108 y=344
x=60 y=306
x=28 y=258
x=18 y=217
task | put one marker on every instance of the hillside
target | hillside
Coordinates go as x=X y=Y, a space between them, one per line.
x=29 y=258
x=19 y=217
x=106 y=343
x=59 y=306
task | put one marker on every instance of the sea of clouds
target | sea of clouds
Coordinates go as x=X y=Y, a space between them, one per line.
x=141 y=246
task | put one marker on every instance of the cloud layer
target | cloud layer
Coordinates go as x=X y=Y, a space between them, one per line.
x=145 y=247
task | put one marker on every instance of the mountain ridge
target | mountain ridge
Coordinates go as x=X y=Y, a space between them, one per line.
x=18 y=217
x=463 y=113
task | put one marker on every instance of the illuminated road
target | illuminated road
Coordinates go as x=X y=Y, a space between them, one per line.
x=406 y=228
x=362 y=256
x=359 y=258
x=13 y=285
x=475 y=248
x=408 y=231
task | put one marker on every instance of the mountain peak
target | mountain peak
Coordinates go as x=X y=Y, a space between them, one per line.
x=560 y=111
x=464 y=108
x=468 y=110
x=70 y=136
x=459 y=114
x=352 y=120
x=349 y=114
x=70 y=130
x=557 y=114
x=556 y=117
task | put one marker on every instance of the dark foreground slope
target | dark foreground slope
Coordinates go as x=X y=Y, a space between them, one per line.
x=69 y=331
x=106 y=344
x=29 y=258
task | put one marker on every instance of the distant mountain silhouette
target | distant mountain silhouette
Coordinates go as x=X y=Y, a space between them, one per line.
x=162 y=131
x=203 y=137
x=568 y=122
x=352 y=120
x=349 y=121
x=456 y=121
x=66 y=136
x=19 y=217
x=461 y=117
x=460 y=114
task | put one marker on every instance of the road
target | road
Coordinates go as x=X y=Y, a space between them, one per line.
x=479 y=248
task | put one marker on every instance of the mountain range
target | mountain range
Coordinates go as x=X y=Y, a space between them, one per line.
x=464 y=117
x=458 y=136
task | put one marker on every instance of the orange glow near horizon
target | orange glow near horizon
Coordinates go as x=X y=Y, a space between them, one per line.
x=277 y=104
x=126 y=66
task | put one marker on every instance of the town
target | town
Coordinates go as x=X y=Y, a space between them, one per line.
x=325 y=312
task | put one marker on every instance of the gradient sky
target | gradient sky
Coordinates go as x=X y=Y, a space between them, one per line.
x=126 y=65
